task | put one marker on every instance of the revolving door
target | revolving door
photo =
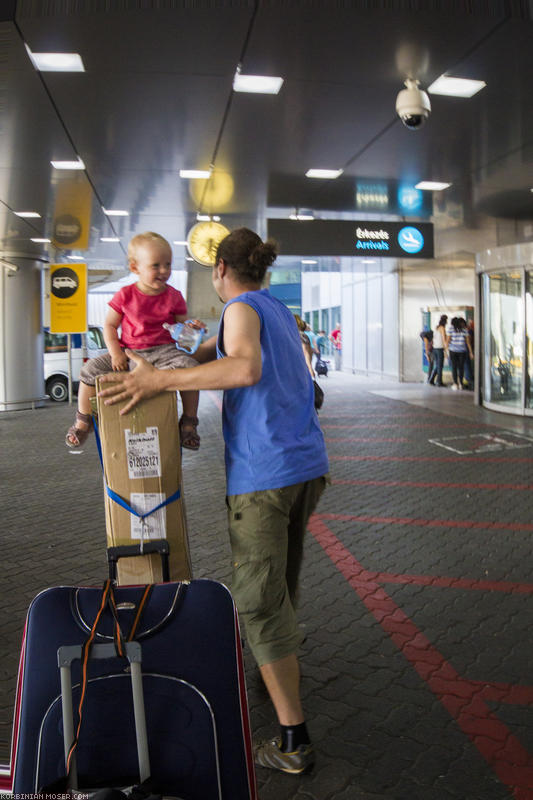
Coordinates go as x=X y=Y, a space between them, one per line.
x=507 y=336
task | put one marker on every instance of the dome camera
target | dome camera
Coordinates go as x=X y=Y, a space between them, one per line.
x=412 y=105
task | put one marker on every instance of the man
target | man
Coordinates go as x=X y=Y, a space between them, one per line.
x=276 y=467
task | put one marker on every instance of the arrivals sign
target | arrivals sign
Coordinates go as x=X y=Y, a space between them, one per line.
x=324 y=237
x=68 y=298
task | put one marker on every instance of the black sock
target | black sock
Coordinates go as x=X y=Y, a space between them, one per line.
x=292 y=736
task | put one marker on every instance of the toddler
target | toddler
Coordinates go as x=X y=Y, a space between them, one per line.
x=139 y=310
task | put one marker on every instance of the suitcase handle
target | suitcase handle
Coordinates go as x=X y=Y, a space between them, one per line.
x=65 y=656
x=160 y=546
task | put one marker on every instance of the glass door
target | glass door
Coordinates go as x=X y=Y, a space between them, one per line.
x=504 y=336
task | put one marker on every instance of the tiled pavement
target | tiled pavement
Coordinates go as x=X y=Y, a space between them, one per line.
x=417 y=589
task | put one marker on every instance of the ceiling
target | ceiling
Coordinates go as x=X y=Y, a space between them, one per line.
x=156 y=97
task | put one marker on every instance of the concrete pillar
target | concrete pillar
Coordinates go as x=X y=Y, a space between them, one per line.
x=21 y=339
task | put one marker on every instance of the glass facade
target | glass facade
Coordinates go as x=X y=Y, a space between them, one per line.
x=507 y=352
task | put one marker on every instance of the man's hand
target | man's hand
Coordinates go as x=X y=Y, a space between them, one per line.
x=136 y=385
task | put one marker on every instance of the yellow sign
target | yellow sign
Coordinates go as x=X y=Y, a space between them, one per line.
x=72 y=213
x=68 y=298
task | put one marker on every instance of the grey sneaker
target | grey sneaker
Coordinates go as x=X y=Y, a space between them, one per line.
x=268 y=754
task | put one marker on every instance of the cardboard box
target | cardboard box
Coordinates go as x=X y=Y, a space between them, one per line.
x=142 y=464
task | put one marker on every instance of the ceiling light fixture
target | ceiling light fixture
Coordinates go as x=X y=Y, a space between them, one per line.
x=256 y=84
x=27 y=214
x=109 y=239
x=180 y=242
x=76 y=258
x=325 y=174
x=432 y=186
x=456 y=87
x=203 y=218
x=115 y=212
x=309 y=261
x=56 y=62
x=301 y=217
x=68 y=164
x=195 y=173
x=41 y=241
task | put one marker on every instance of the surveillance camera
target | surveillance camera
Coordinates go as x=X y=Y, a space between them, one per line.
x=412 y=105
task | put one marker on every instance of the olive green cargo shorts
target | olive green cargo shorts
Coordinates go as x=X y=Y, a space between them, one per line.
x=267 y=531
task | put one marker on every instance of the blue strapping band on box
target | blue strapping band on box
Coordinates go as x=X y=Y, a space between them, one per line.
x=120 y=500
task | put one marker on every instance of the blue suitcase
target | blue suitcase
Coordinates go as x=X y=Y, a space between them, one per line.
x=194 y=694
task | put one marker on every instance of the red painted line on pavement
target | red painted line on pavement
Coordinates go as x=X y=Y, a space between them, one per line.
x=435 y=523
x=463 y=699
x=436 y=484
x=442 y=582
x=372 y=440
x=444 y=459
x=506 y=693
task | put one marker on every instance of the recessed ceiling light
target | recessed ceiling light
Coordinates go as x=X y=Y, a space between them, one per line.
x=115 y=212
x=308 y=261
x=323 y=173
x=41 y=241
x=301 y=217
x=56 y=62
x=28 y=214
x=432 y=186
x=455 y=87
x=195 y=173
x=179 y=242
x=109 y=239
x=369 y=261
x=68 y=164
x=256 y=84
x=75 y=258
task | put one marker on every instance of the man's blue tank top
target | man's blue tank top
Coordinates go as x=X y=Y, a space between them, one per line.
x=271 y=429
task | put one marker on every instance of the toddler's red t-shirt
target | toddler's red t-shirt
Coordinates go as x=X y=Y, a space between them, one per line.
x=143 y=315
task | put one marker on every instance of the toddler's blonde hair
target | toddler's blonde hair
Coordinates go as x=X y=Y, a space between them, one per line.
x=144 y=238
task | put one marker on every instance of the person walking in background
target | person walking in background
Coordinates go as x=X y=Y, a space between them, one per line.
x=336 y=337
x=427 y=338
x=321 y=343
x=311 y=335
x=469 y=364
x=439 y=347
x=458 y=342
x=306 y=344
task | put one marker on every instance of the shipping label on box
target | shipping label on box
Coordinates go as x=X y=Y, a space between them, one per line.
x=142 y=464
x=142 y=453
x=153 y=526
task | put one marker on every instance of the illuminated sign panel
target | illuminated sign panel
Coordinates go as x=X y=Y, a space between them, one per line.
x=321 y=237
